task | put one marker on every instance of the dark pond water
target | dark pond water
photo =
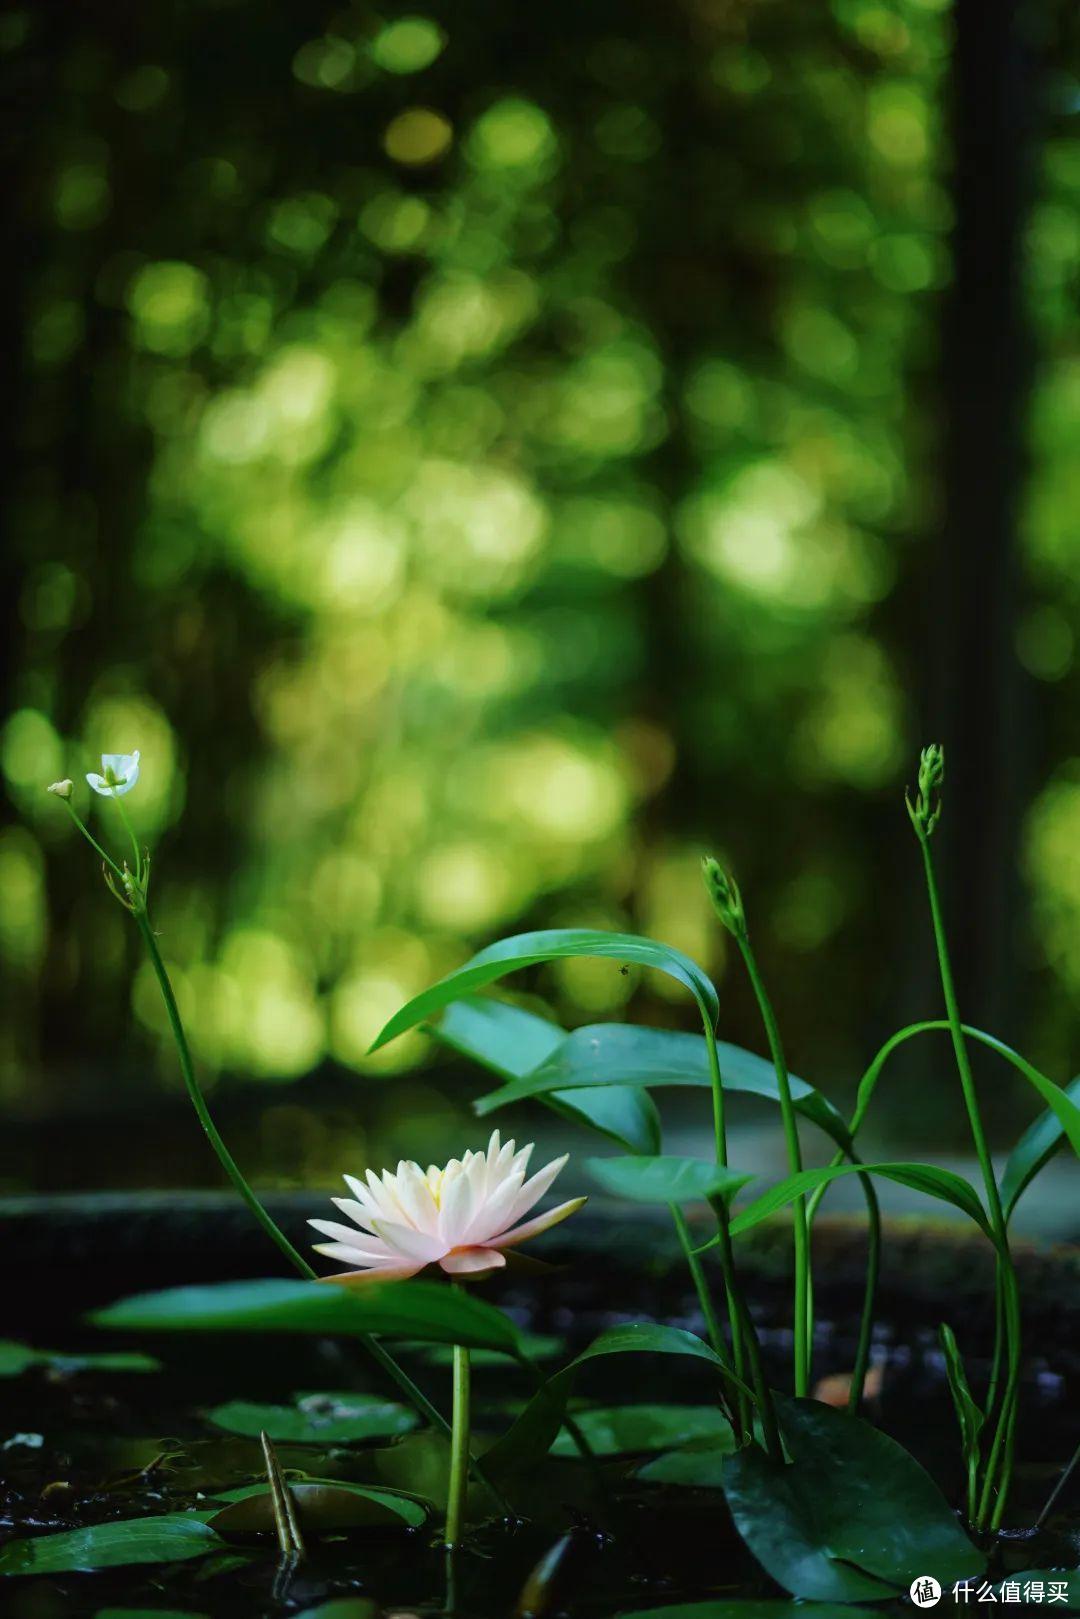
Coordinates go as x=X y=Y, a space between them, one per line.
x=82 y=1447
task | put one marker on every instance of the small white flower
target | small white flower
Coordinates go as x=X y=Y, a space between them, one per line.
x=62 y=789
x=459 y=1217
x=119 y=773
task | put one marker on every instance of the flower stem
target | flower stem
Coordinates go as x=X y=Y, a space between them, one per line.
x=1000 y=1456
x=794 y=1153
x=457 y=1490
x=397 y=1373
x=131 y=834
x=741 y=1316
x=712 y=1324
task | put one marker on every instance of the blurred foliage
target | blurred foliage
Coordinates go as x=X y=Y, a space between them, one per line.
x=475 y=455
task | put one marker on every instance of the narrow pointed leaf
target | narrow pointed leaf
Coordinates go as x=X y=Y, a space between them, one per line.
x=551 y=944
x=534 y=1431
x=429 y=1311
x=927 y=1178
x=321 y=1505
x=624 y=1054
x=1038 y=1144
x=665 y=1179
x=968 y=1414
x=511 y=1042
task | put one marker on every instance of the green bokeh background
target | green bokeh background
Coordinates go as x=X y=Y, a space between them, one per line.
x=484 y=458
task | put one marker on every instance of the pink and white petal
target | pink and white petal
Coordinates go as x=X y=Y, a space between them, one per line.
x=350 y=1234
x=541 y=1222
x=347 y=1255
x=535 y=1188
x=415 y=1196
x=379 y=1273
x=408 y=1243
x=360 y=1214
x=472 y=1261
x=496 y=1213
x=456 y=1207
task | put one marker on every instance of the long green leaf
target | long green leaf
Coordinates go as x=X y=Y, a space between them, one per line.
x=624 y=1054
x=1060 y=1103
x=170 y=1538
x=1038 y=1144
x=534 y=1431
x=665 y=1179
x=968 y=1414
x=927 y=1178
x=426 y=1310
x=551 y=944
x=510 y=1042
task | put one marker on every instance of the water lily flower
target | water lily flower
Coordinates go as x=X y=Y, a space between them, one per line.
x=461 y=1217
x=119 y=773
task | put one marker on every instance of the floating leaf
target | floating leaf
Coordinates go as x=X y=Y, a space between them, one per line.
x=759 y=1608
x=511 y=1042
x=168 y=1539
x=666 y=1179
x=322 y=1506
x=1038 y=1144
x=148 y=1613
x=619 y=1430
x=342 y=1608
x=927 y=1178
x=315 y=1418
x=624 y=1054
x=16 y=1358
x=696 y=1466
x=852 y=1516
x=551 y=944
x=534 y=1431
x=427 y=1310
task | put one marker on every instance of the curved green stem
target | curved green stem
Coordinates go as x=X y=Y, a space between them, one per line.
x=131 y=834
x=802 y=1325
x=735 y=1323
x=712 y=1324
x=415 y=1395
x=92 y=841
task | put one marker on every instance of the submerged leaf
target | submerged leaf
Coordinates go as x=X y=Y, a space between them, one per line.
x=315 y=1418
x=321 y=1506
x=619 y=1430
x=626 y=1054
x=168 y=1539
x=551 y=944
x=851 y=1517
x=511 y=1042
x=415 y=1309
x=666 y=1179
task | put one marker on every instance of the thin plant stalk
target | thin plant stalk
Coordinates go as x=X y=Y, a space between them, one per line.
x=1058 y=1487
x=712 y=1324
x=721 y=1211
x=396 y=1372
x=873 y=1272
x=997 y=1474
x=458 y=1488
x=801 y=1226
x=748 y=1334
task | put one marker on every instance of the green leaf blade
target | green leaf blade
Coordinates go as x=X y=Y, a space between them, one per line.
x=665 y=1179
x=551 y=944
x=929 y=1179
x=172 y=1538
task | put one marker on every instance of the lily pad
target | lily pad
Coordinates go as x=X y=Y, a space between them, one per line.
x=317 y=1418
x=322 y=1506
x=761 y=1608
x=697 y=1466
x=169 y=1539
x=619 y=1430
x=851 y=1517
x=16 y=1358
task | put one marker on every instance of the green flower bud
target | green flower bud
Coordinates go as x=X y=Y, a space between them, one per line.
x=926 y=810
x=723 y=890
